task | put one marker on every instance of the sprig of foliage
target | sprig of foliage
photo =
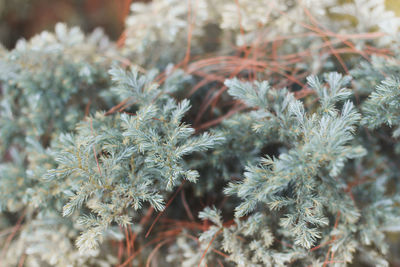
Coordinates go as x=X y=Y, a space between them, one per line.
x=115 y=164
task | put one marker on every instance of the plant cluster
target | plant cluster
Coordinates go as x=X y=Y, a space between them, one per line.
x=210 y=134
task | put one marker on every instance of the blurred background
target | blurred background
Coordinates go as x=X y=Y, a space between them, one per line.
x=25 y=18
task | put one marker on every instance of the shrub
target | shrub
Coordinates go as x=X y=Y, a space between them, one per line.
x=280 y=135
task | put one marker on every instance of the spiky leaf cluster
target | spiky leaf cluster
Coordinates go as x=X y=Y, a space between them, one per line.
x=117 y=163
x=297 y=207
x=314 y=159
x=383 y=106
x=47 y=85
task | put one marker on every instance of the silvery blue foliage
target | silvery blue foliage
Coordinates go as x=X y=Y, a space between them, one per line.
x=95 y=152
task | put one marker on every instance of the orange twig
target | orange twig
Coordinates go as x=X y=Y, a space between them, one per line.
x=332 y=240
x=186 y=206
x=208 y=247
x=11 y=236
x=166 y=206
x=153 y=252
